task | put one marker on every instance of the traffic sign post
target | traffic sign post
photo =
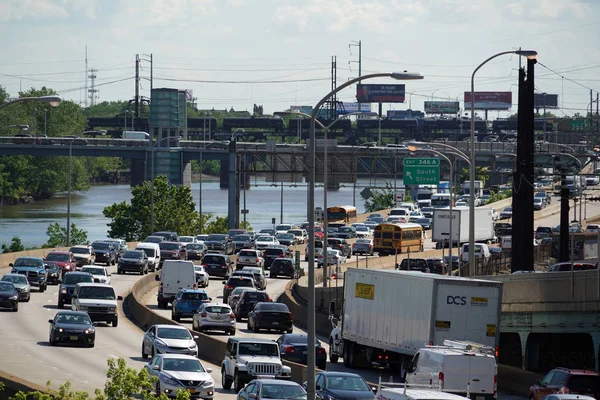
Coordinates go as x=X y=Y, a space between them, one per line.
x=420 y=171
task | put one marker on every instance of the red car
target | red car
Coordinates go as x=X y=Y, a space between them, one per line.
x=318 y=232
x=64 y=259
x=567 y=381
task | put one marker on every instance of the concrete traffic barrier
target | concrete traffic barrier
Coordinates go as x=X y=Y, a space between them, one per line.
x=14 y=385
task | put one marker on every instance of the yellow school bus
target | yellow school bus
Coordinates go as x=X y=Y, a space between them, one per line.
x=389 y=238
x=339 y=214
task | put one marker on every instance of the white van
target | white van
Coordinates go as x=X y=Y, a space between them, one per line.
x=99 y=300
x=409 y=206
x=399 y=212
x=135 y=135
x=415 y=394
x=152 y=251
x=481 y=251
x=174 y=276
x=461 y=367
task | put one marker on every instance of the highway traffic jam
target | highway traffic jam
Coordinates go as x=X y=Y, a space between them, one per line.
x=444 y=340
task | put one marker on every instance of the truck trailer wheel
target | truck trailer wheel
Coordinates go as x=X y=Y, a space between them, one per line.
x=333 y=358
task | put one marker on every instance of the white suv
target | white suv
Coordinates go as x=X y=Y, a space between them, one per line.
x=248 y=358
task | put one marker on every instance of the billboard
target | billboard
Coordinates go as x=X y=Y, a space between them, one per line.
x=347 y=108
x=545 y=100
x=489 y=100
x=303 y=109
x=380 y=93
x=442 y=107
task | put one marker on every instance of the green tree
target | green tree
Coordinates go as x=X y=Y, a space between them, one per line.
x=481 y=174
x=381 y=199
x=57 y=236
x=218 y=225
x=15 y=245
x=122 y=383
x=174 y=210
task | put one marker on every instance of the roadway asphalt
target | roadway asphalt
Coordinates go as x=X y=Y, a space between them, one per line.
x=26 y=353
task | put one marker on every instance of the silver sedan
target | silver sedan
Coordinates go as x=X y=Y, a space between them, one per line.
x=167 y=339
x=181 y=372
x=21 y=284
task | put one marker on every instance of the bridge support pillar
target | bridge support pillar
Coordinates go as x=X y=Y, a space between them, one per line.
x=523 y=336
x=233 y=201
x=138 y=172
x=224 y=174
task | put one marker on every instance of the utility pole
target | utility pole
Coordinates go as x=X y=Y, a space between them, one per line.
x=137 y=88
x=86 y=80
x=333 y=104
x=92 y=91
x=151 y=75
x=359 y=45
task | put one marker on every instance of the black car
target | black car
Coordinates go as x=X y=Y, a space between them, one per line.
x=195 y=251
x=234 y=282
x=342 y=386
x=294 y=347
x=220 y=243
x=74 y=327
x=267 y=231
x=67 y=286
x=341 y=245
x=216 y=264
x=275 y=316
x=9 y=297
x=282 y=266
x=273 y=252
x=133 y=261
x=243 y=241
x=435 y=265
x=287 y=239
x=413 y=264
x=105 y=252
x=119 y=245
x=154 y=239
x=169 y=236
x=248 y=299
x=55 y=273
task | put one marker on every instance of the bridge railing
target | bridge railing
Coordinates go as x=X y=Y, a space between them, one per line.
x=500 y=263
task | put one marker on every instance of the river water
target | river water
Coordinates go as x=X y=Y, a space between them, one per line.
x=263 y=202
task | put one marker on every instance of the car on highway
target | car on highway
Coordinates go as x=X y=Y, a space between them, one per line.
x=342 y=386
x=544 y=231
x=84 y=255
x=506 y=213
x=346 y=232
x=249 y=258
x=248 y=299
x=166 y=339
x=265 y=388
x=186 y=303
x=294 y=347
x=283 y=228
x=461 y=204
x=220 y=243
x=234 y=296
x=105 y=252
x=55 y=274
x=435 y=265
x=258 y=273
x=214 y=317
x=20 y=283
x=538 y=204
x=363 y=246
x=172 y=251
x=120 y=246
x=154 y=239
x=168 y=236
x=202 y=277
x=9 y=296
x=100 y=274
x=67 y=286
x=273 y=252
x=243 y=241
x=134 y=261
x=264 y=241
x=99 y=300
x=300 y=234
x=544 y=197
x=64 y=259
x=234 y=282
x=592 y=228
x=340 y=244
x=217 y=264
x=178 y=372
x=288 y=239
x=282 y=266
x=276 y=316
x=72 y=327
x=201 y=238
x=413 y=264
x=566 y=267
x=187 y=239
x=34 y=268
x=363 y=231
x=267 y=232
x=426 y=223
x=427 y=212
x=567 y=381
x=334 y=257
x=195 y=251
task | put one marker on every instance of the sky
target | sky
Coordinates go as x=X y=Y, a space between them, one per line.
x=278 y=53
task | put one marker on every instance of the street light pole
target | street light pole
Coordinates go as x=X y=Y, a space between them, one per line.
x=311 y=367
x=524 y=53
x=51 y=100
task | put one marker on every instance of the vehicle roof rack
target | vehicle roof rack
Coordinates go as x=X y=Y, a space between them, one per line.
x=467 y=345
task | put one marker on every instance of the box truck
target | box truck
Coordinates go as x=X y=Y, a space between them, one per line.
x=484 y=226
x=386 y=316
x=466 y=187
x=135 y=135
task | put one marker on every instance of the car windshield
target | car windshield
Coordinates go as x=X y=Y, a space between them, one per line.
x=279 y=307
x=350 y=383
x=362 y=228
x=28 y=262
x=247 y=253
x=284 y=263
x=15 y=279
x=72 y=279
x=168 y=246
x=237 y=291
x=154 y=239
x=345 y=229
x=256 y=297
x=298 y=338
x=237 y=282
x=209 y=259
x=363 y=241
x=283 y=227
x=540 y=194
x=133 y=254
x=259 y=349
x=97 y=292
x=72 y=318
x=79 y=250
x=199 y=268
x=274 y=252
x=149 y=252
x=195 y=246
x=57 y=257
x=508 y=209
x=101 y=245
x=173 y=333
x=6 y=287
x=217 y=238
x=544 y=229
x=94 y=270
x=182 y=364
x=241 y=238
x=194 y=296
x=264 y=239
x=186 y=239
x=218 y=309
x=286 y=236
x=274 y=391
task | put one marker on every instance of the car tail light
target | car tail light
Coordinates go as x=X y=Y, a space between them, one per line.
x=290 y=349
x=321 y=350
x=228 y=287
x=282 y=255
x=268 y=298
x=441 y=379
x=232 y=316
x=223 y=265
x=204 y=265
x=291 y=317
x=497 y=351
x=256 y=259
x=203 y=315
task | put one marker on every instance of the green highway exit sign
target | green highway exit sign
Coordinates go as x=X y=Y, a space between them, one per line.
x=421 y=171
